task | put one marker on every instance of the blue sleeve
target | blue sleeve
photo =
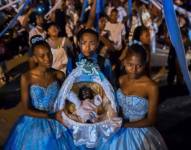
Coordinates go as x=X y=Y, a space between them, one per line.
x=69 y=66
x=108 y=71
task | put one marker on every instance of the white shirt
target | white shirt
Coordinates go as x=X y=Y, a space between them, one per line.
x=117 y=31
x=59 y=57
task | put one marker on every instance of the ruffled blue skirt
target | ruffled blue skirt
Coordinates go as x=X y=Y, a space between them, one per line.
x=135 y=139
x=31 y=133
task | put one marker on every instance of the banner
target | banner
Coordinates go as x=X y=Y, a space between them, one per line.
x=176 y=39
x=14 y=20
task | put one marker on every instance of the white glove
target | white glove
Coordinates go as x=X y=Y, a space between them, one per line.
x=85 y=110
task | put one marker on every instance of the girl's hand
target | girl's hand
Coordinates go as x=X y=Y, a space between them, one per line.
x=58 y=117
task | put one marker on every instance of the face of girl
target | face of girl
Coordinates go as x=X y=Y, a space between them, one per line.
x=88 y=44
x=43 y=56
x=134 y=66
x=113 y=16
x=53 y=31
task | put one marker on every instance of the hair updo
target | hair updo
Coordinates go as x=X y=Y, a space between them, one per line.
x=136 y=49
x=37 y=41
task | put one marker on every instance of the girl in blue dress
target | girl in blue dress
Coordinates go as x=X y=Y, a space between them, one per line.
x=138 y=101
x=38 y=128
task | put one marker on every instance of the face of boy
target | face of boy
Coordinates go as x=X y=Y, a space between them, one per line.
x=88 y=44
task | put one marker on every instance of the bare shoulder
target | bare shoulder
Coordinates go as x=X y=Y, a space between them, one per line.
x=122 y=79
x=59 y=75
x=26 y=75
x=151 y=86
x=26 y=78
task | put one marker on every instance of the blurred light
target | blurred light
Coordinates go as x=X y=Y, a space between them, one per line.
x=40 y=9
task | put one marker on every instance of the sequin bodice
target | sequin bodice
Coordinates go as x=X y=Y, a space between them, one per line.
x=42 y=98
x=133 y=107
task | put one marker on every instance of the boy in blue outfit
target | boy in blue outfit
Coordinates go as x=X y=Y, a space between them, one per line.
x=88 y=41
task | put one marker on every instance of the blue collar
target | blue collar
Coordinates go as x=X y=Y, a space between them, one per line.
x=93 y=57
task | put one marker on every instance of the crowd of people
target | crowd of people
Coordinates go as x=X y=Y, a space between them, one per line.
x=120 y=48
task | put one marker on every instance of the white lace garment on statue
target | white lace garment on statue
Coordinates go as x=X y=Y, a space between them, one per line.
x=74 y=115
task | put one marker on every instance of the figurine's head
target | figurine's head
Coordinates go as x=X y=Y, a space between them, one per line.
x=85 y=93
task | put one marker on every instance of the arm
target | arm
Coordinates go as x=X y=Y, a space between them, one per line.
x=25 y=97
x=152 y=110
x=92 y=15
x=26 y=17
x=66 y=53
x=105 y=111
x=106 y=42
x=123 y=54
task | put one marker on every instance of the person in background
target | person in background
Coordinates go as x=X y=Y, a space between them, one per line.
x=174 y=73
x=58 y=47
x=39 y=27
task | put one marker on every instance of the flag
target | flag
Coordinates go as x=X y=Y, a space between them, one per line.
x=176 y=39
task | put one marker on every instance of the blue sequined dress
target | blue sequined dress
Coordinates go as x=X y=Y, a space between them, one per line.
x=148 y=138
x=32 y=133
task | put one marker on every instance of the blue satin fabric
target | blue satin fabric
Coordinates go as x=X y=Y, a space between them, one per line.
x=85 y=5
x=99 y=9
x=134 y=108
x=129 y=8
x=30 y=133
x=175 y=36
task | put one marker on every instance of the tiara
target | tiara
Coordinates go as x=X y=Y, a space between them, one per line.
x=36 y=39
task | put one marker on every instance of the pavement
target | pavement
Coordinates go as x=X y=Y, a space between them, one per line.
x=7 y=119
x=174 y=122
